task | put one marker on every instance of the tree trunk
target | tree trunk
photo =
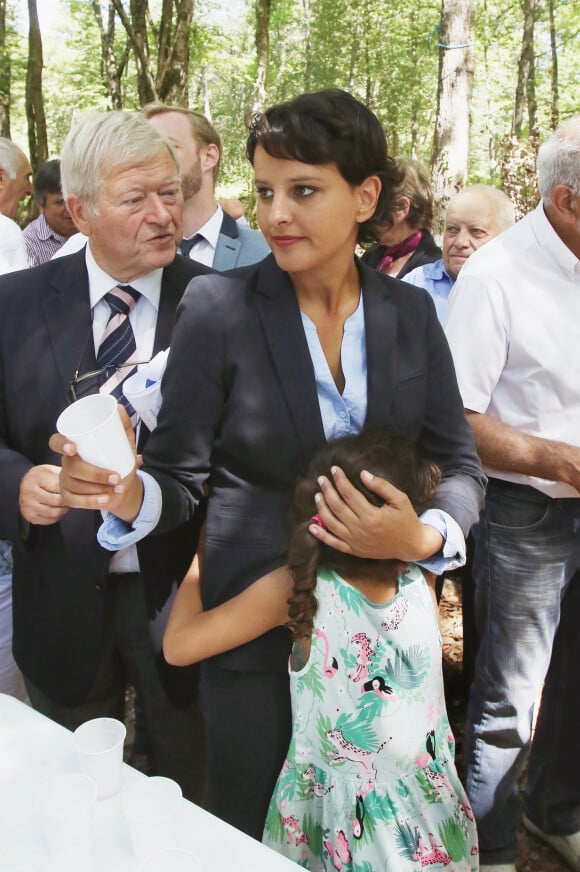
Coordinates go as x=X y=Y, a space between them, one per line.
x=307 y=46
x=172 y=36
x=263 y=8
x=451 y=140
x=526 y=86
x=111 y=72
x=136 y=27
x=4 y=75
x=555 y=113
x=37 y=140
x=173 y=59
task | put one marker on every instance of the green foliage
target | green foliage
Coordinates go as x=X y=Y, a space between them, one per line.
x=358 y=731
x=286 y=785
x=453 y=838
x=406 y=840
x=430 y=793
x=378 y=808
x=372 y=706
x=313 y=680
x=384 y=53
x=274 y=826
x=314 y=834
x=408 y=668
x=350 y=597
x=327 y=749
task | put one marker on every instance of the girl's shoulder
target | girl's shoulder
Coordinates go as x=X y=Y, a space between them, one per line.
x=331 y=585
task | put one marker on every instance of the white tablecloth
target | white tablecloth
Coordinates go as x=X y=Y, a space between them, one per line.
x=33 y=748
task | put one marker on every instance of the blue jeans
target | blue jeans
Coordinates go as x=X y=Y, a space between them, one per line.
x=527 y=549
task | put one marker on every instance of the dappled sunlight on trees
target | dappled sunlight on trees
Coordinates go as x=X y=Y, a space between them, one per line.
x=226 y=57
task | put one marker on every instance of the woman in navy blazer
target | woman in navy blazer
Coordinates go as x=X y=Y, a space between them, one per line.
x=242 y=413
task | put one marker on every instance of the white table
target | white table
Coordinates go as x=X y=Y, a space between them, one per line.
x=33 y=748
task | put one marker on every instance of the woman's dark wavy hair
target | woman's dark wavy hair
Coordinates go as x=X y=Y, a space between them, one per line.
x=331 y=126
x=383 y=453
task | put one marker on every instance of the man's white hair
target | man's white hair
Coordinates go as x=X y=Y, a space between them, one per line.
x=559 y=160
x=502 y=206
x=10 y=156
x=102 y=142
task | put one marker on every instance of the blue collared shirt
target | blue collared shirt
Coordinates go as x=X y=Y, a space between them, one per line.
x=436 y=281
x=341 y=414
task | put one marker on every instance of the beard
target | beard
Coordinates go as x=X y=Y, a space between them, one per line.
x=191 y=181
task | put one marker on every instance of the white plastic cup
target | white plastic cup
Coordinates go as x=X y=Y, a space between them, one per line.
x=99 y=747
x=72 y=860
x=66 y=805
x=172 y=860
x=94 y=425
x=151 y=808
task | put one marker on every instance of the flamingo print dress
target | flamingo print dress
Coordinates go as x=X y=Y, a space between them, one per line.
x=369 y=783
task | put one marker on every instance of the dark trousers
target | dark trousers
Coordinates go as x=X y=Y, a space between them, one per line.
x=176 y=733
x=552 y=792
x=470 y=634
x=248 y=725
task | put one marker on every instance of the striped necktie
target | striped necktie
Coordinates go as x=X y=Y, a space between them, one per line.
x=118 y=349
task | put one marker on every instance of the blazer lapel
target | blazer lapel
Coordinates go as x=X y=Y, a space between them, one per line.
x=381 y=334
x=171 y=293
x=228 y=245
x=284 y=332
x=67 y=311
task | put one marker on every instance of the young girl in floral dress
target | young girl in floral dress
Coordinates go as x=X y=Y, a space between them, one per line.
x=369 y=782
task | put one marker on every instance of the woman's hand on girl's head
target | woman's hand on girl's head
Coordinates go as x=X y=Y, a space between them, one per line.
x=354 y=526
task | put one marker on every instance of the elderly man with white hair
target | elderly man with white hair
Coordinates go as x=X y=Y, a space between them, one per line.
x=474 y=216
x=15 y=186
x=76 y=326
x=513 y=328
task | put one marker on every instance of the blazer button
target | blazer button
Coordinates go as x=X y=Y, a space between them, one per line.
x=99 y=585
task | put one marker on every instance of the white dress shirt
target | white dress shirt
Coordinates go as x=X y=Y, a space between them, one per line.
x=514 y=331
x=13 y=254
x=204 y=249
x=143 y=318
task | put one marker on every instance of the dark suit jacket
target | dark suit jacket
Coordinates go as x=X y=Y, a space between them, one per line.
x=426 y=252
x=60 y=572
x=241 y=411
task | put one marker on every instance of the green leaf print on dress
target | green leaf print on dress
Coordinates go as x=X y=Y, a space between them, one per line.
x=453 y=837
x=375 y=785
x=408 y=669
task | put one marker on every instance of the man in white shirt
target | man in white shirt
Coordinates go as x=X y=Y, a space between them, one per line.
x=81 y=618
x=513 y=328
x=15 y=186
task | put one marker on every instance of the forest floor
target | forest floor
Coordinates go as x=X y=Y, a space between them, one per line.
x=533 y=854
